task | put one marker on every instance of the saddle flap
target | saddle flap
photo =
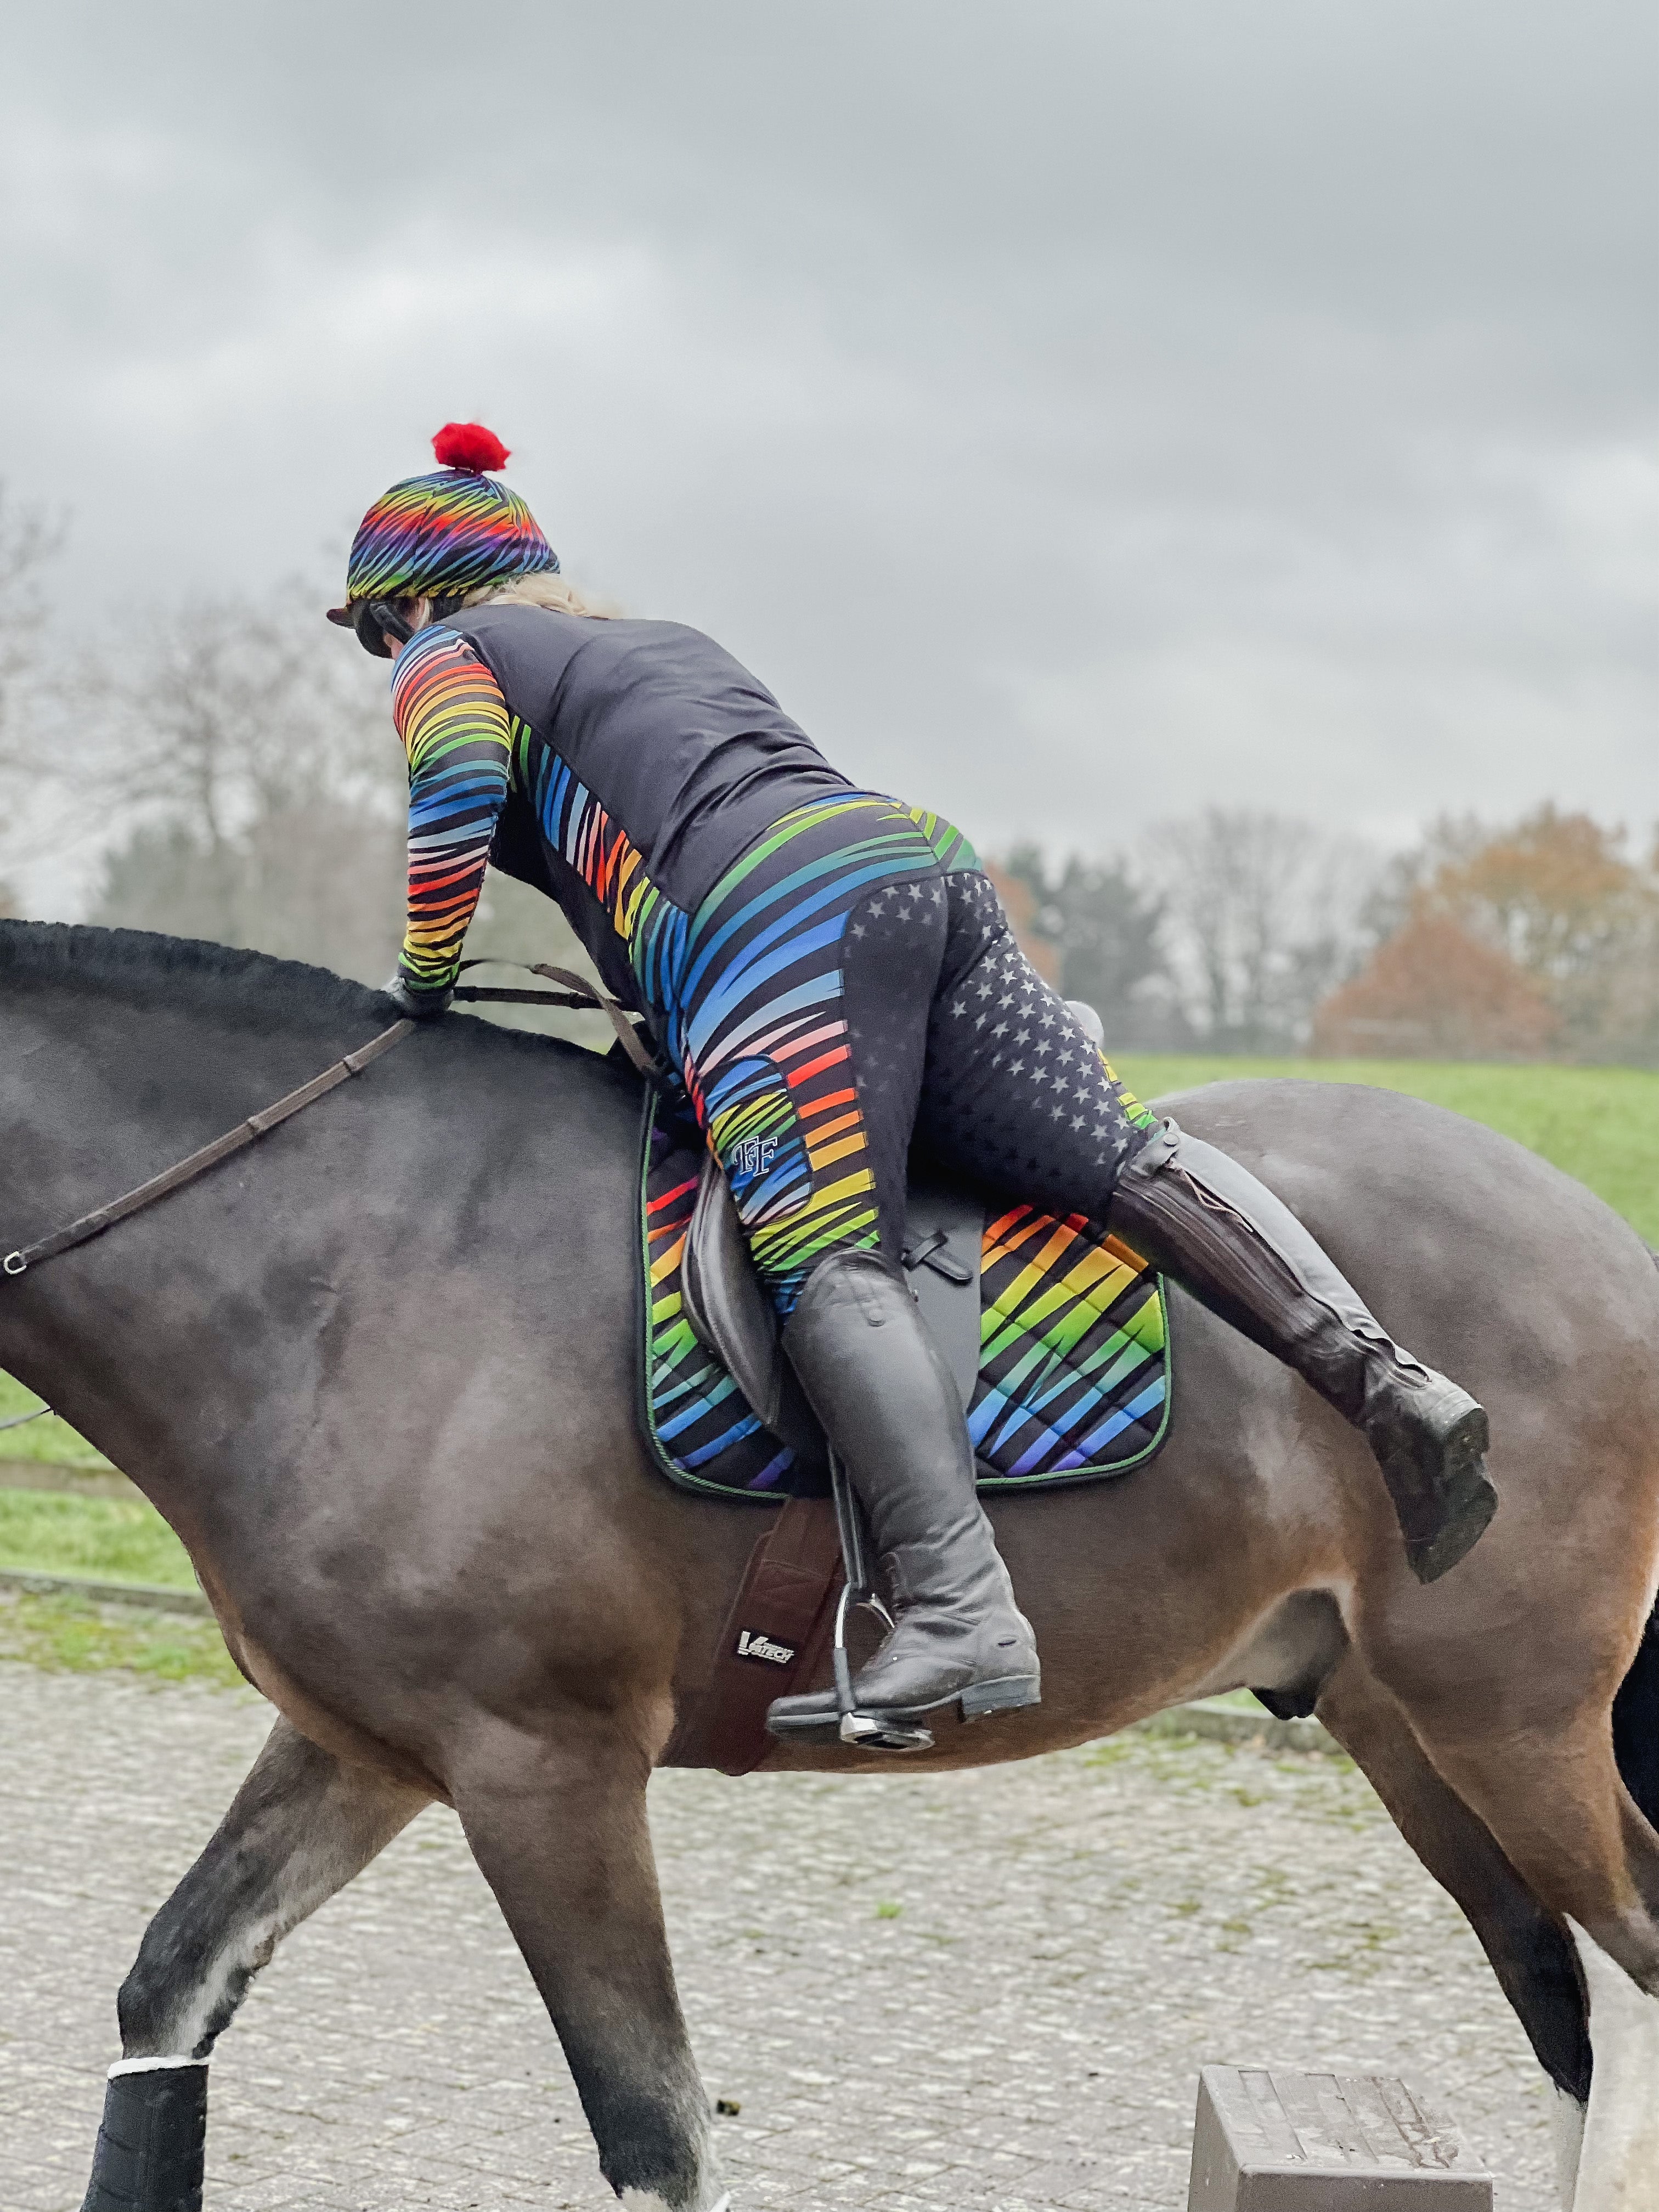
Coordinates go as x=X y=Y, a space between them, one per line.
x=725 y=1301
x=728 y=1310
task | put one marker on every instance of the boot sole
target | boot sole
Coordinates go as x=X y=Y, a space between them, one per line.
x=1471 y=1499
x=1008 y=1695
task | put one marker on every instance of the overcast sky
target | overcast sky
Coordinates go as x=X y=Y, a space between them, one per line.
x=1077 y=413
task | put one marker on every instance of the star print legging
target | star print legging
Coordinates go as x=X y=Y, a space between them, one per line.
x=852 y=984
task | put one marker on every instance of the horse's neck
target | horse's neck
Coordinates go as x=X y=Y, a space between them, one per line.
x=205 y=1342
x=140 y=1337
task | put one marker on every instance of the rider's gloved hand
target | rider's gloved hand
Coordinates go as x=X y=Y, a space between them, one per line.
x=419 y=1006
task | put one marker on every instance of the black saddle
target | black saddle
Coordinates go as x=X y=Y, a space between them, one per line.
x=730 y=1313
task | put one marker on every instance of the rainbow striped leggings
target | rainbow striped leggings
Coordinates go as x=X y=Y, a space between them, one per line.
x=851 y=984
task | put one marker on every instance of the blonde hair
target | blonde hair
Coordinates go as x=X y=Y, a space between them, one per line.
x=545 y=587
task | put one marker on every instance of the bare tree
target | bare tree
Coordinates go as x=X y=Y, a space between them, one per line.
x=253 y=784
x=28 y=542
x=256 y=794
x=1261 y=918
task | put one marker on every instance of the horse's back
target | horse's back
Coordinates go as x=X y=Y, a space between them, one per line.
x=1417 y=1197
x=1531 y=1292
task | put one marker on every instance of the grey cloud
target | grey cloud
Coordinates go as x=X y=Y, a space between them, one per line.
x=1077 y=412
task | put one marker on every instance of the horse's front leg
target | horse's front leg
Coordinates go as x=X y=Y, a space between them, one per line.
x=299 y=1828
x=558 y=1823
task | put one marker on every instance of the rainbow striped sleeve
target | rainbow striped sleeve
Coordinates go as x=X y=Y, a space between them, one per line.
x=456 y=730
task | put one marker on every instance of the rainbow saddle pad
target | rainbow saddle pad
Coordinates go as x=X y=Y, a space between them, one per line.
x=1056 y=1332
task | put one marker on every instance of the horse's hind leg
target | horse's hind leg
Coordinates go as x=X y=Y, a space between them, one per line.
x=1531 y=1951
x=557 y=1824
x=299 y=1828
x=1553 y=1800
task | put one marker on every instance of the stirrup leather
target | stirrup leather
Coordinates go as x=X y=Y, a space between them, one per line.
x=863 y=1731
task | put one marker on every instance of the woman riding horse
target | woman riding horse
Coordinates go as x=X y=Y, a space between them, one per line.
x=831 y=974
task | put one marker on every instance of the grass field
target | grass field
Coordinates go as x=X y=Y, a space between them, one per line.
x=109 y=1539
x=66 y=1635
x=50 y=1439
x=1600 y=1124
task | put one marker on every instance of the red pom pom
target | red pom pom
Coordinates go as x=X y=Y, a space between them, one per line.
x=469 y=446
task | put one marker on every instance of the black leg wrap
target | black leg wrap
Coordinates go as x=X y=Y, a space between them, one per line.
x=151 y=2143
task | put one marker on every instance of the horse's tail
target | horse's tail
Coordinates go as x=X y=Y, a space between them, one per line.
x=1635 y=1723
x=1635 y=1717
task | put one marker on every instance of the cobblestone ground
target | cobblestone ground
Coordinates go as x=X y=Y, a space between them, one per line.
x=992 y=1991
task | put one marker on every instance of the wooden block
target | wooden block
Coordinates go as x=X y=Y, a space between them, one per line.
x=1326 y=2142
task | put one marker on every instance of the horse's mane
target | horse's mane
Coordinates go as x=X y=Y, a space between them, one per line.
x=234 y=988
x=149 y=970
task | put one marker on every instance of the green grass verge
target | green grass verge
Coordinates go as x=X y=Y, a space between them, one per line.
x=69 y=1636
x=50 y=1439
x=109 y=1539
x=1600 y=1124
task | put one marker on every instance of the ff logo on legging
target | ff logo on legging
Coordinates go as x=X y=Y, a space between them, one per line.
x=752 y=1157
x=758 y=1139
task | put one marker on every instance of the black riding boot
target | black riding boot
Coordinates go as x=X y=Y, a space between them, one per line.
x=1207 y=1221
x=890 y=1408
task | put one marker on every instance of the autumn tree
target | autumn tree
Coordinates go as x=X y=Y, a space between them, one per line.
x=1559 y=893
x=1435 y=991
x=1567 y=921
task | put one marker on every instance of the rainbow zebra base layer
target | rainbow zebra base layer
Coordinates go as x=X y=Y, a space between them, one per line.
x=1074 y=1374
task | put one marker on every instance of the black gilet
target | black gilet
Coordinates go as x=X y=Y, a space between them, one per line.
x=689 y=754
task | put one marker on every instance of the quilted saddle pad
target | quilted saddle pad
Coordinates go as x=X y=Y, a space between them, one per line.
x=1074 y=1363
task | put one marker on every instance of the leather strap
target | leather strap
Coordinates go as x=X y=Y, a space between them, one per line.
x=186 y=1170
x=775 y=1641
x=578 y=993
x=943 y=1237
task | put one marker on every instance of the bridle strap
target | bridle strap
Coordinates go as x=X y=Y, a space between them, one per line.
x=186 y=1170
x=578 y=994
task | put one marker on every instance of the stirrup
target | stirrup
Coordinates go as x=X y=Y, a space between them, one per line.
x=863 y=1731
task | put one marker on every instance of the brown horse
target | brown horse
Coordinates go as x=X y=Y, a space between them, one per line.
x=378 y=1373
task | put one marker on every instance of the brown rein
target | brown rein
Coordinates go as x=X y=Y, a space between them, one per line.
x=579 y=995
x=186 y=1170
